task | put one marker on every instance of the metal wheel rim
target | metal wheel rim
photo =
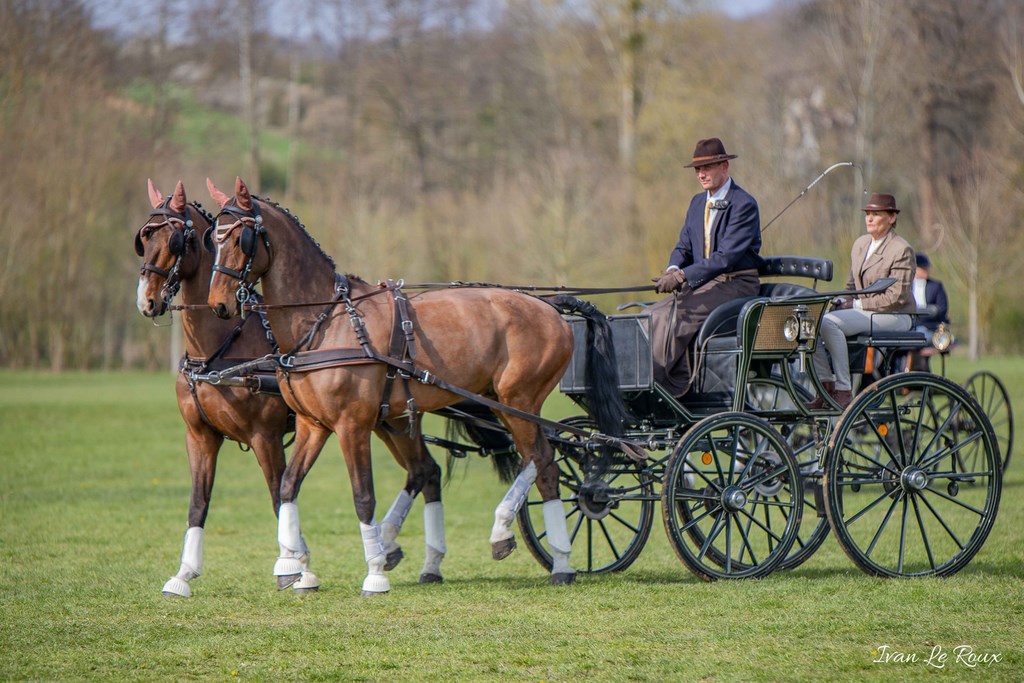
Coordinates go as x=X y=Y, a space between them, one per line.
x=886 y=520
x=608 y=544
x=710 y=538
x=991 y=395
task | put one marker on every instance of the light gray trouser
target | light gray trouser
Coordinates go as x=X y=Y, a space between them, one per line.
x=836 y=327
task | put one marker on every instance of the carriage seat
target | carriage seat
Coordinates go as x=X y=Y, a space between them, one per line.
x=892 y=347
x=796 y=266
x=909 y=340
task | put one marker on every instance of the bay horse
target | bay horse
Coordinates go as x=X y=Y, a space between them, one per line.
x=495 y=342
x=173 y=260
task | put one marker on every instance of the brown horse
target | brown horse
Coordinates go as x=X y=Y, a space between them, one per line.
x=172 y=259
x=501 y=344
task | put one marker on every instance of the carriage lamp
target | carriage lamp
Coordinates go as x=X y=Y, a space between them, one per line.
x=942 y=338
x=799 y=328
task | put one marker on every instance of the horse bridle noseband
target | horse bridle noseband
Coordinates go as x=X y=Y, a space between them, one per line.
x=251 y=223
x=182 y=234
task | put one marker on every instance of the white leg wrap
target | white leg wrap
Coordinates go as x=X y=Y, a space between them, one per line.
x=433 y=532
x=191 y=564
x=558 y=536
x=192 y=553
x=294 y=554
x=433 y=526
x=511 y=503
x=373 y=546
x=393 y=521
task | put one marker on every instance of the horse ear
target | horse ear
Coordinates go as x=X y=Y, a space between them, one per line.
x=178 y=201
x=242 y=195
x=154 y=194
x=216 y=195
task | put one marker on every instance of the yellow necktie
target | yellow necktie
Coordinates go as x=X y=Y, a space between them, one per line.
x=707 y=229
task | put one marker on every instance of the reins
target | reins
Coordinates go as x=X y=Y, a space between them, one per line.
x=382 y=288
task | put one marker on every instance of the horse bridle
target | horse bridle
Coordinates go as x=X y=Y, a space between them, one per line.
x=251 y=223
x=182 y=234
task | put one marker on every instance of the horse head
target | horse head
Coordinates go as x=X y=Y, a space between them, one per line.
x=168 y=247
x=235 y=238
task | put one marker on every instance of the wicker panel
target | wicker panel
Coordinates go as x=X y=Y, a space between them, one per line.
x=769 y=335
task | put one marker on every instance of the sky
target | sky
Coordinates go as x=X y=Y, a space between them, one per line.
x=111 y=13
x=742 y=8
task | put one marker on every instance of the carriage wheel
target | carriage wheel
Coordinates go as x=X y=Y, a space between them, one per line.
x=768 y=394
x=990 y=393
x=732 y=498
x=900 y=493
x=609 y=519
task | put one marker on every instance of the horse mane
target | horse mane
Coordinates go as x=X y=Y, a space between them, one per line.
x=205 y=214
x=302 y=228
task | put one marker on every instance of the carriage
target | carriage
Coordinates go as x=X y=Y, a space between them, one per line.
x=749 y=479
x=908 y=476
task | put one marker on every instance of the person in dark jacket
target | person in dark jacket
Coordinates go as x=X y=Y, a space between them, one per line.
x=929 y=293
x=715 y=260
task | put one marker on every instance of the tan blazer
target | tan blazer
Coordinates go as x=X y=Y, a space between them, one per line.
x=894 y=257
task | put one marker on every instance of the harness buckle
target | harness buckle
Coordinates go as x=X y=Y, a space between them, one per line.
x=286 y=361
x=425 y=377
x=407 y=326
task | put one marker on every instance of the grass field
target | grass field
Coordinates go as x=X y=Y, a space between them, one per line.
x=94 y=488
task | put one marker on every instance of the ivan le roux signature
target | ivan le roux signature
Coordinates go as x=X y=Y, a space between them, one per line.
x=962 y=654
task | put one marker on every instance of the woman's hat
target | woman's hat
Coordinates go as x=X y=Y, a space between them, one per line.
x=881 y=202
x=707 y=152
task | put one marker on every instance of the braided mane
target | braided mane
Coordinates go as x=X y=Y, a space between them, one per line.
x=302 y=228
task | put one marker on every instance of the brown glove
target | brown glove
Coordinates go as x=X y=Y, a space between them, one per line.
x=671 y=281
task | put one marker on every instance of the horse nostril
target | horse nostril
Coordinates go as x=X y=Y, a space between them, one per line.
x=221 y=311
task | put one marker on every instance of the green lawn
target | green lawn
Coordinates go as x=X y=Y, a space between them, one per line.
x=94 y=488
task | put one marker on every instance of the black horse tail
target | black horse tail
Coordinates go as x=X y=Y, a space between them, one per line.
x=472 y=421
x=604 y=400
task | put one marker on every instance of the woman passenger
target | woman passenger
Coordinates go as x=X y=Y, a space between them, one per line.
x=879 y=254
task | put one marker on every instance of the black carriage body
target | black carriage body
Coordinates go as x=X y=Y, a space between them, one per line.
x=740 y=341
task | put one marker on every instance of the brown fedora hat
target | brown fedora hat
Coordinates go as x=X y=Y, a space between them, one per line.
x=709 y=151
x=881 y=202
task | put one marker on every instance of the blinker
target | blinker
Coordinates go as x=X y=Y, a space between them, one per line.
x=208 y=240
x=176 y=243
x=247 y=241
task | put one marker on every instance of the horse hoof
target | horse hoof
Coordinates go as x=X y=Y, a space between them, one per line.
x=392 y=559
x=372 y=594
x=177 y=588
x=502 y=549
x=287 y=581
x=563 y=579
x=309 y=583
x=431 y=578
